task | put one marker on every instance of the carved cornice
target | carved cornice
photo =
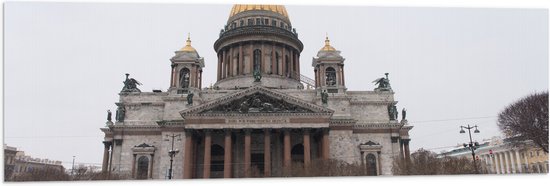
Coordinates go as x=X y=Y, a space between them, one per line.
x=140 y=104
x=257 y=30
x=356 y=102
x=196 y=110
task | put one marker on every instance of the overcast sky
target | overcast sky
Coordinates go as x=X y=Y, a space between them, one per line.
x=64 y=63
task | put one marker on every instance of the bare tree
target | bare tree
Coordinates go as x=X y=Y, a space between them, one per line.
x=424 y=162
x=43 y=174
x=527 y=119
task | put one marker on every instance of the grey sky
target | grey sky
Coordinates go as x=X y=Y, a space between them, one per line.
x=64 y=63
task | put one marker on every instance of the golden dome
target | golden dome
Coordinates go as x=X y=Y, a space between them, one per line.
x=238 y=8
x=327 y=46
x=188 y=47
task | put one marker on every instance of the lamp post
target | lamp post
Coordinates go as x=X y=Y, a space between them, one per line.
x=172 y=153
x=72 y=169
x=472 y=145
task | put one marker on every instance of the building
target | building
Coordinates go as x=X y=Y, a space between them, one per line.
x=17 y=163
x=500 y=156
x=260 y=117
x=9 y=161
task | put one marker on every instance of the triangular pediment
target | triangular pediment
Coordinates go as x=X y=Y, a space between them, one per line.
x=253 y=100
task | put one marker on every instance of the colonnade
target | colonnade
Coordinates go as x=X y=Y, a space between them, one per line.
x=509 y=162
x=206 y=135
x=283 y=60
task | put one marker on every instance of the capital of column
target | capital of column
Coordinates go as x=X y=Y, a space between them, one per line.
x=107 y=144
x=247 y=131
x=227 y=131
x=306 y=130
x=406 y=141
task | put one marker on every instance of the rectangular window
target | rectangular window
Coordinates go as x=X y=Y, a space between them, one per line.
x=250 y=22
x=242 y=23
x=258 y=21
x=282 y=25
x=273 y=23
x=266 y=21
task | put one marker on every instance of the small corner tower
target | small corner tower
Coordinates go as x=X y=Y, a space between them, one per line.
x=329 y=69
x=187 y=67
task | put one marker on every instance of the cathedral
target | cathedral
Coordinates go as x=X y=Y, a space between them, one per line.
x=260 y=117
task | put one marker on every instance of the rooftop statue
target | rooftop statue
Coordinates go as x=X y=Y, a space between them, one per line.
x=383 y=83
x=324 y=97
x=130 y=85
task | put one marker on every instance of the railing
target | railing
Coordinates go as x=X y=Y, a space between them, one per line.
x=306 y=79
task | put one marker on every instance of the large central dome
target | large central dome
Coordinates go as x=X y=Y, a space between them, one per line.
x=258 y=40
x=280 y=9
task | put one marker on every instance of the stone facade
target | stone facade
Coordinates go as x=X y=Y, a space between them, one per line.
x=244 y=127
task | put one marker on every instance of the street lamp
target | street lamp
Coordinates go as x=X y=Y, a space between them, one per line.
x=72 y=169
x=172 y=153
x=473 y=146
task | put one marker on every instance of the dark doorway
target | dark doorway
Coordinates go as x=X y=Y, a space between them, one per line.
x=257 y=164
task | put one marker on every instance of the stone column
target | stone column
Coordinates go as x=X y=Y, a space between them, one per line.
x=506 y=161
x=207 y=153
x=401 y=153
x=251 y=57
x=105 y=165
x=526 y=162
x=494 y=160
x=273 y=62
x=219 y=67
x=407 y=151
x=326 y=144
x=200 y=79
x=501 y=164
x=267 y=152
x=518 y=161
x=298 y=65
x=283 y=59
x=150 y=167
x=247 y=141
x=227 y=155
x=343 y=76
x=172 y=75
x=307 y=148
x=187 y=164
x=241 y=57
x=512 y=162
x=291 y=63
x=232 y=62
x=286 y=154
x=223 y=64
x=134 y=166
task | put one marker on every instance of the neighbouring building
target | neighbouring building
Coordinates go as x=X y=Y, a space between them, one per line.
x=17 y=163
x=260 y=117
x=500 y=156
x=9 y=161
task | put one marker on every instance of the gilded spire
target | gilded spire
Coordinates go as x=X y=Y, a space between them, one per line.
x=188 y=47
x=327 y=46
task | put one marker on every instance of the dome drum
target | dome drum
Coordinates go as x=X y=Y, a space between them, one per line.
x=258 y=30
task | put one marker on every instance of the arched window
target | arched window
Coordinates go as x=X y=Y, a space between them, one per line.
x=184 y=78
x=142 y=168
x=257 y=59
x=287 y=66
x=330 y=74
x=237 y=64
x=277 y=63
x=371 y=165
x=297 y=153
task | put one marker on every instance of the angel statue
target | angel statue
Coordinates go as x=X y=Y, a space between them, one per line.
x=130 y=85
x=383 y=83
